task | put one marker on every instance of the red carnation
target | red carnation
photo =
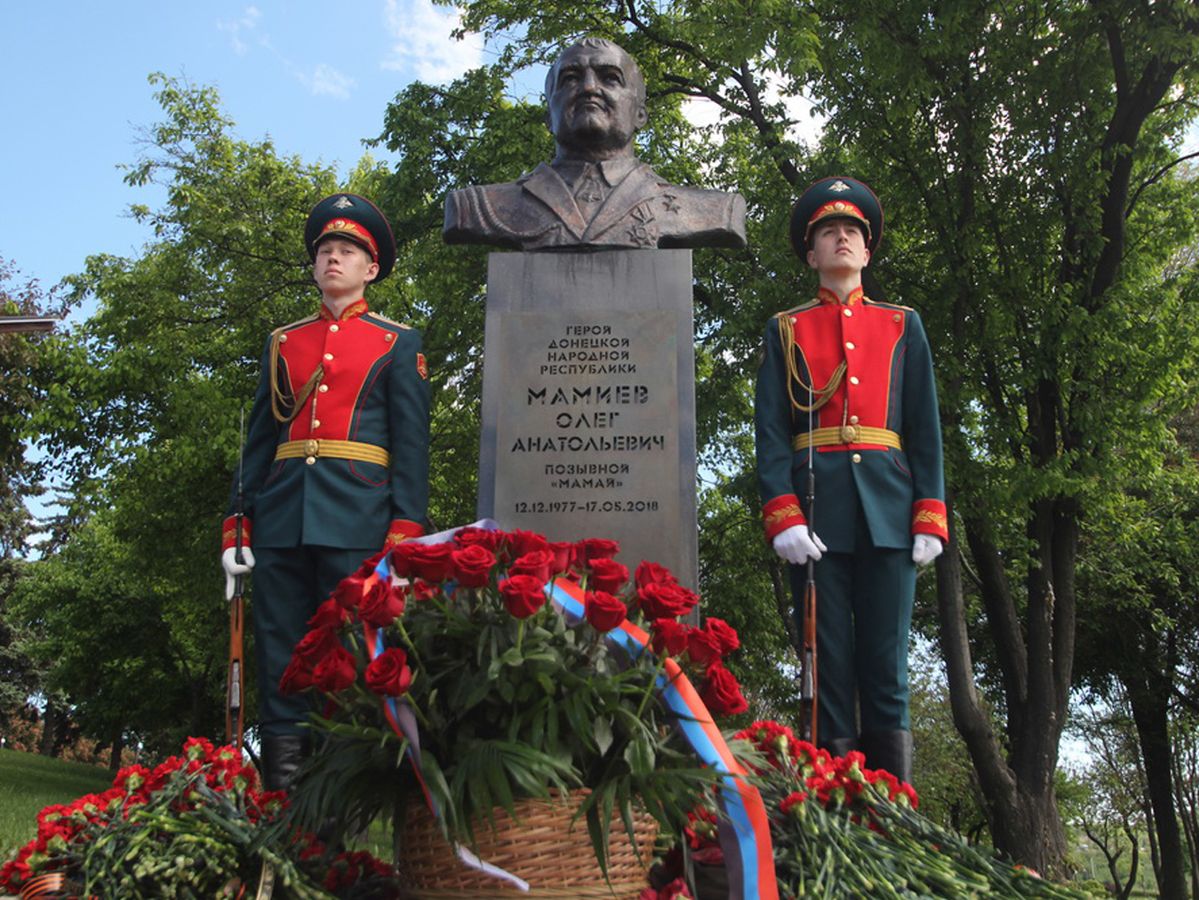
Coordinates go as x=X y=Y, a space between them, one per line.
x=336 y=671
x=382 y=605
x=538 y=563
x=472 y=564
x=608 y=575
x=388 y=674
x=669 y=637
x=604 y=611
x=523 y=595
x=721 y=693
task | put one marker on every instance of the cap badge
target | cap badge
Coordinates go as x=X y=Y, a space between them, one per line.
x=343 y=203
x=838 y=187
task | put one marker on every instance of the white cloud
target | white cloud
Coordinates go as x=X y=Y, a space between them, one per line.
x=326 y=81
x=421 y=41
x=246 y=22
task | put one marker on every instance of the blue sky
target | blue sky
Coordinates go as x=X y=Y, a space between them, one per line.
x=314 y=77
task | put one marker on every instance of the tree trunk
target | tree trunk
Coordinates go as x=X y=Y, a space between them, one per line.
x=1150 y=713
x=51 y=724
x=118 y=748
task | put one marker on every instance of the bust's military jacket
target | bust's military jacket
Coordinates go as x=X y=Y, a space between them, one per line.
x=336 y=451
x=876 y=431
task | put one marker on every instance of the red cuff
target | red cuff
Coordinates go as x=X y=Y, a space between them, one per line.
x=928 y=517
x=229 y=532
x=780 y=514
x=401 y=530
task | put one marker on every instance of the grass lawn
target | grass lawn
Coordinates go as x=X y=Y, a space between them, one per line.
x=29 y=782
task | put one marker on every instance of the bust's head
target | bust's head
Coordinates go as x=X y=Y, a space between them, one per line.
x=595 y=99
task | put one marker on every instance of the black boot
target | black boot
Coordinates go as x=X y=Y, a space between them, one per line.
x=281 y=756
x=890 y=750
x=840 y=746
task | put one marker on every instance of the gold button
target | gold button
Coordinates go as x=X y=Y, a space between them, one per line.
x=328 y=356
x=333 y=328
x=316 y=423
x=857 y=457
x=896 y=317
x=853 y=379
x=323 y=388
x=849 y=434
x=849 y=345
x=853 y=420
x=388 y=337
x=848 y=312
x=310 y=460
x=311 y=447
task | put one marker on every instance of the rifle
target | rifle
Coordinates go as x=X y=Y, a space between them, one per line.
x=809 y=691
x=235 y=723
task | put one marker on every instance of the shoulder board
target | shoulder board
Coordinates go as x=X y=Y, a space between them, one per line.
x=886 y=305
x=296 y=324
x=383 y=318
x=800 y=308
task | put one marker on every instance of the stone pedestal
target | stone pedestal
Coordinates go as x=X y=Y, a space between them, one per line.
x=589 y=401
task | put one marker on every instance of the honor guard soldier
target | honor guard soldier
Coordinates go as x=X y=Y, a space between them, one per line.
x=336 y=458
x=850 y=380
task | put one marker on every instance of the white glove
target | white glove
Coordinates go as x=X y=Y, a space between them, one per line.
x=926 y=548
x=232 y=567
x=794 y=545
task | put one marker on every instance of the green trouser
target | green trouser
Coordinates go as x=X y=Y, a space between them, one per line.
x=863 y=616
x=289 y=584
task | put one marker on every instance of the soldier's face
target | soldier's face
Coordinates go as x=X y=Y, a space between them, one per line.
x=838 y=246
x=595 y=105
x=342 y=267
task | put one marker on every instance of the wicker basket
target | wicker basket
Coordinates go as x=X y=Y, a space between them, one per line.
x=541 y=846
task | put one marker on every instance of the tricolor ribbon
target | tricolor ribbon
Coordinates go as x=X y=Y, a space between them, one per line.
x=744 y=828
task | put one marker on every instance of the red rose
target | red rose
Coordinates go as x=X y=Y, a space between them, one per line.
x=724 y=634
x=388 y=674
x=595 y=548
x=660 y=600
x=669 y=637
x=522 y=542
x=336 y=671
x=428 y=561
x=472 y=565
x=470 y=536
x=538 y=563
x=608 y=575
x=296 y=677
x=382 y=605
x=329 y=614
x=313 y=646
x=523 y=595
x=348 y=592
x=652 y=573
x=424 y=590
x=564 y=555
x=369 y=564
x=604 y=611
x=702 y=647
x=722 y=693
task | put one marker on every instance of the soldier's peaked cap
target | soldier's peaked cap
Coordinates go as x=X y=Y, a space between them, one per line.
x=354 y=218
x=839 y=197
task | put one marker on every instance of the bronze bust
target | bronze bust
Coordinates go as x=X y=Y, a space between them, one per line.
x=595 y=193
